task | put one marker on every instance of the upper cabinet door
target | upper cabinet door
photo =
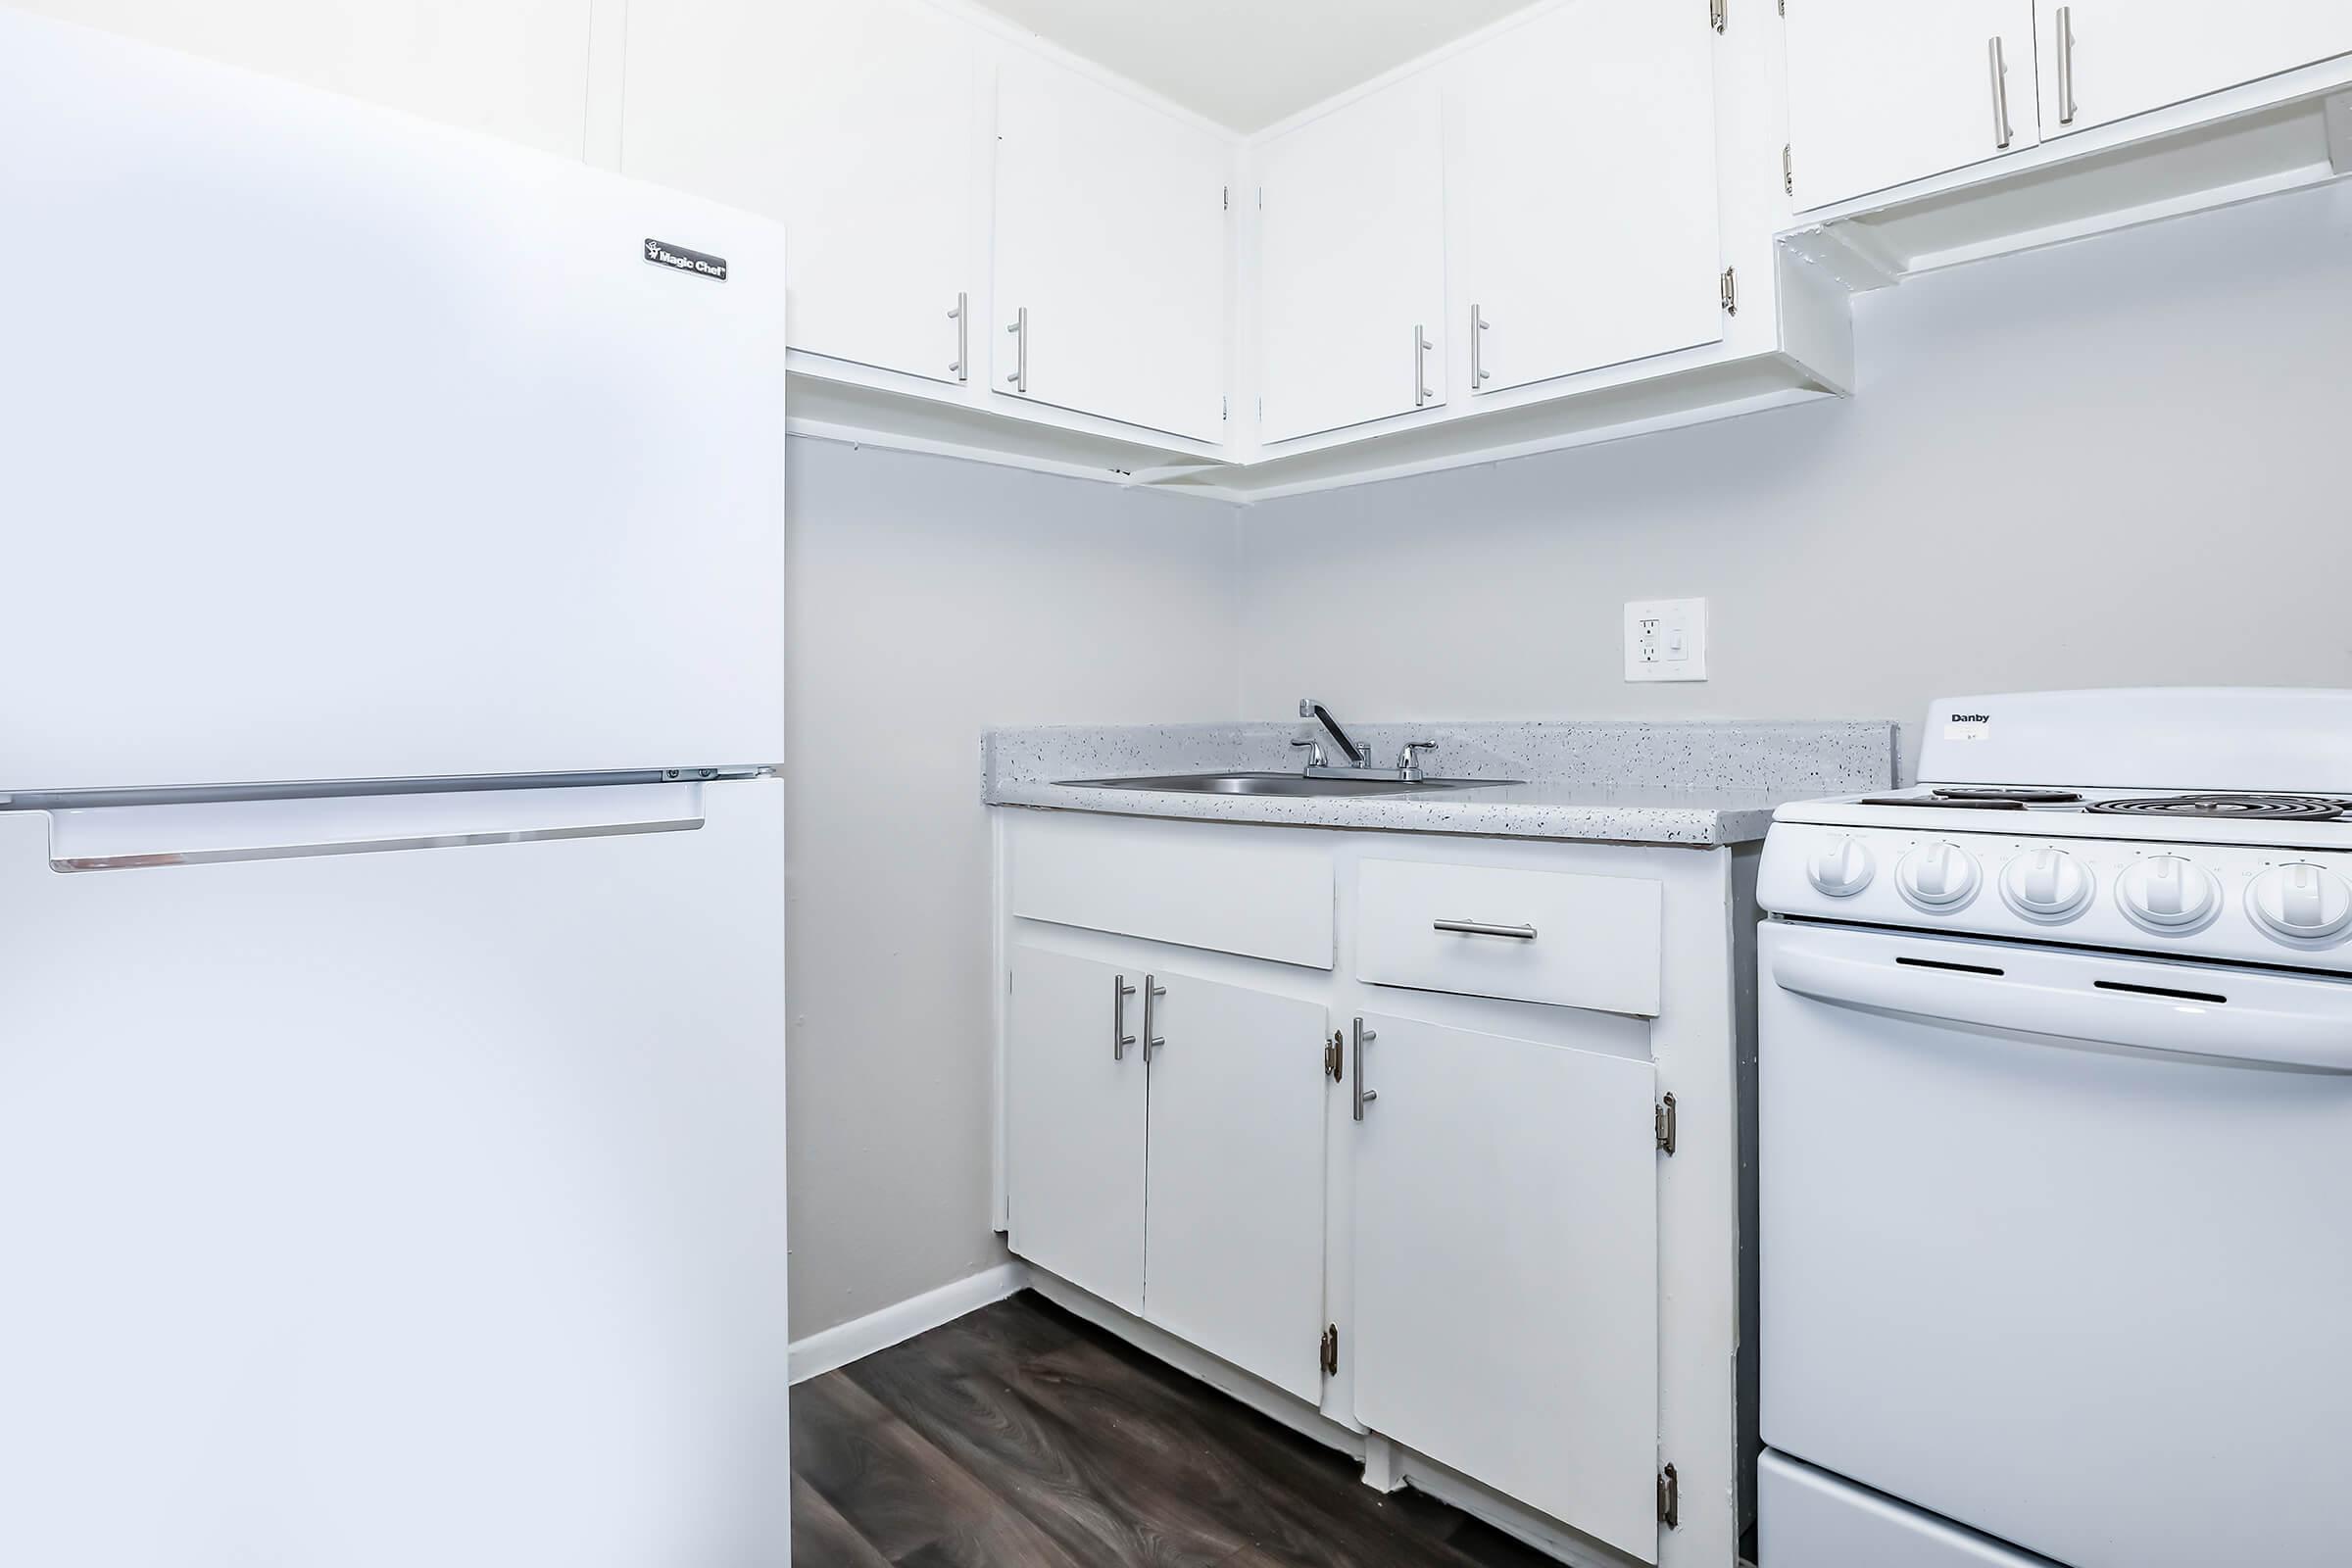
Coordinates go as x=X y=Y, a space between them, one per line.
x=2103 y=60
x=1111 y=254
x=852 y=120
x=1353 y=264
x=1587 y=169
x=1880 y=94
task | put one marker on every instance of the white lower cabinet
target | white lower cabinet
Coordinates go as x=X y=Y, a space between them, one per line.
x=1074 y=1122
x=1165 y=1152
x=1506 y=1269
x=1233 y=1243
x=1414 y=1176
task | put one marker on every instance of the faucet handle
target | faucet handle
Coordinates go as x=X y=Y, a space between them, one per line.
x=1406 y=762
x=1315 y=752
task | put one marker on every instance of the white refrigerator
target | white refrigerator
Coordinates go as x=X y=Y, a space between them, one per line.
x=391 y=852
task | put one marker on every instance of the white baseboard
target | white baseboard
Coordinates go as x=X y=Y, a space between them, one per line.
x=844 y=1343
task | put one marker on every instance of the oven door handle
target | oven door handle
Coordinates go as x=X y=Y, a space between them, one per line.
x=2315 y=1038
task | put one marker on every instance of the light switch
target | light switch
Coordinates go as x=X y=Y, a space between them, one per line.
x=1666 y=639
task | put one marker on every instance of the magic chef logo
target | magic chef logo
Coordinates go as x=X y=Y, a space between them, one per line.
x=679 y=258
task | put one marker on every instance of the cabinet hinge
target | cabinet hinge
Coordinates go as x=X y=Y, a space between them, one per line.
x=1730 y=291
x=1664 y=1124
x=1261 y=198
x=1226 y=201
x=1788 y=170
x=1225 y=408
x=1670 y=1499
x=1335 y=1057
x=1331 y=1351
x=1715 y=14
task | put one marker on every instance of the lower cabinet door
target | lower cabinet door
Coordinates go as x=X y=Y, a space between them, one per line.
x=1234 y=1249
x=1506 y=1269
x=1074 y=1122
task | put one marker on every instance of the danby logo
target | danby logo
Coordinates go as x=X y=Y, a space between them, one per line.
x=1971 y=718
x=679 y=259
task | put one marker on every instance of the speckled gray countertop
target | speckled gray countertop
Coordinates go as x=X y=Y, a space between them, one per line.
x=1703 y=782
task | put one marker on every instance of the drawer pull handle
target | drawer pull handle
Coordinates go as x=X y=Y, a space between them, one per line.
x=1480 y=928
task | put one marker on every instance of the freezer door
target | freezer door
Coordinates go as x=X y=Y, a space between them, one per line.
x=338 y=445
x=368 y=1206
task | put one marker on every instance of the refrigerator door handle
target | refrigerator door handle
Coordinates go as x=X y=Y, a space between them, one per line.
x=120 y=838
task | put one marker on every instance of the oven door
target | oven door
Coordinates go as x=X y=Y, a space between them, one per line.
x=2056 y=1244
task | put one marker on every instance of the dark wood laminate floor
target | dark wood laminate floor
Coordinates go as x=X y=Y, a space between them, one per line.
x=1023 y=1436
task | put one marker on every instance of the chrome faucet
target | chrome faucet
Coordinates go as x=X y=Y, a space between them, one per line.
x=1308 y=708
x=1407 y=770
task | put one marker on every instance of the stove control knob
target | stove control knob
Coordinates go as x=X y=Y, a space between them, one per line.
x=1842 y=867
x=1938 y=876
x=2166 y=893
x=2300 y=903
x=2046 y=884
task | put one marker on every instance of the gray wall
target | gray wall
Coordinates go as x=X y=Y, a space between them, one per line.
x=2121 y=462
x=929 y=599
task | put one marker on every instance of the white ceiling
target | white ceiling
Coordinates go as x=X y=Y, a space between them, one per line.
x=1246 y=64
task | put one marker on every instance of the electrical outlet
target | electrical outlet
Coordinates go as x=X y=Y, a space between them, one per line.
x=1666 y=639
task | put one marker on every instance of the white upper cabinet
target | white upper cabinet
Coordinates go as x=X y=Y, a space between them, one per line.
x=1353 y=263
x=2103 y=60
x=852 y=120
x=1586 y=171
x=1111 y=254
x=1880 y=93
x=509 y=68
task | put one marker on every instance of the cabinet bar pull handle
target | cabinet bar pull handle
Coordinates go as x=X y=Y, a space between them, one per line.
x=1021 y=364
x=1363 y=1096
x=1480 y=928
x=961 y=316
x=1151 y=1041
x=2066 y=64
x=1421 y=347
x=1480 y=375
x=1120 y=1039
x=2003 y=132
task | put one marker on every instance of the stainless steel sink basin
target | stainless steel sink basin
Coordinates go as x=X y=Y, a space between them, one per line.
x=1281 y=784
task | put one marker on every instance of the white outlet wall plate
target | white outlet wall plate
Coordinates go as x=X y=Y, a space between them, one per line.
x=1666 y=639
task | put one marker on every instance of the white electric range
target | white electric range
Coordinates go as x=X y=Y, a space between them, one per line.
x=2055 y=1143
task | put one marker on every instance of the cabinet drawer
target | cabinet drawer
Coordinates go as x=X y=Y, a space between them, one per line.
x=1527 y=935
x=1260 y=894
